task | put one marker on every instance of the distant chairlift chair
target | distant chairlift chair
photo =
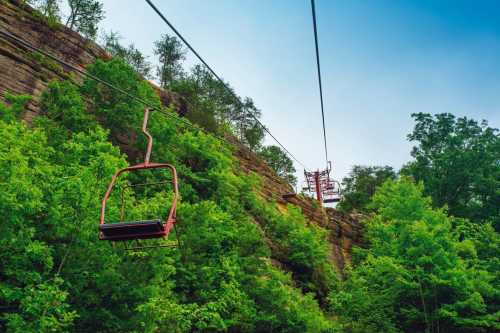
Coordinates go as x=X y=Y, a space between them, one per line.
x=145 y=229
x=332 y=192
x=330 y=188
x=326 y=189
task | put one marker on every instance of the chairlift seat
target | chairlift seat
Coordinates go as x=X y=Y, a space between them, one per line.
x=330 y=200
x=132 y=230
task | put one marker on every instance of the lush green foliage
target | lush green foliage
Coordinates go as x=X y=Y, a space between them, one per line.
x=57 y=276
x=117 y=111
x=279 y=161
x=46 y=204
x=303 y=248
x=359 y=187
x=418 y=274
x=458 y=161
x=428 y=269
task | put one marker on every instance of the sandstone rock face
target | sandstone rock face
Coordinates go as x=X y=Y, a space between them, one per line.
x=24 y=72
x=345 y=231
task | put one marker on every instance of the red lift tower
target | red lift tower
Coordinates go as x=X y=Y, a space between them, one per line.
x=319 y=183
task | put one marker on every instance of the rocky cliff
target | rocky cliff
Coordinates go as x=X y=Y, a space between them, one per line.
x=25 y=72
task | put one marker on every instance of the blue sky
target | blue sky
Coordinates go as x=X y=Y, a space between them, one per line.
x=381 y=61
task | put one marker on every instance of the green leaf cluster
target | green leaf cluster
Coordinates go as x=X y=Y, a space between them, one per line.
x=360 y=185
x=458 y=161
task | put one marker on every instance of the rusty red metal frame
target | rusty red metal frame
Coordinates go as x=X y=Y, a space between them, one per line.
x=322 y=185
x=171 y=218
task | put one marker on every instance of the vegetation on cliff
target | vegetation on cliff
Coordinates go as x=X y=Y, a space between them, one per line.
x=57 y=276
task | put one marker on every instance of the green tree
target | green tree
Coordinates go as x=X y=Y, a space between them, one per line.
x=171 y=54
x=130 y=55
x=279 y=161
x=458 y=161
x=359 y=187
x=417 y=275
x=212 y=103
x=244 y=118
x=200 y=111
x=85 y=16
x=209 y=101
x=220 y=100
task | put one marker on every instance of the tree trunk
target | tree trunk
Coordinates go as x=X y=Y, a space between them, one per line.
x=421 y=292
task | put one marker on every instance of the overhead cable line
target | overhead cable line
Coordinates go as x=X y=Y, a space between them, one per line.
x=319 y=77
x=109 y=85
x=160 y=14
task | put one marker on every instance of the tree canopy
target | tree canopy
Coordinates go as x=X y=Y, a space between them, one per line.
x=170 y=53
x=85 y=16
x=458 y=159
x=359 y=187
x=417 y=275
x=279 y=161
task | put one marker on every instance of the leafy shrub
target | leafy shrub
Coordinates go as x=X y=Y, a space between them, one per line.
x=63 y=103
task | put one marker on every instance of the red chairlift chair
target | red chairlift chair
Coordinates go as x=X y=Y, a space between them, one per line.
x=144 y=229
x=332 y=192
x=319 y=182
x=331 y=188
